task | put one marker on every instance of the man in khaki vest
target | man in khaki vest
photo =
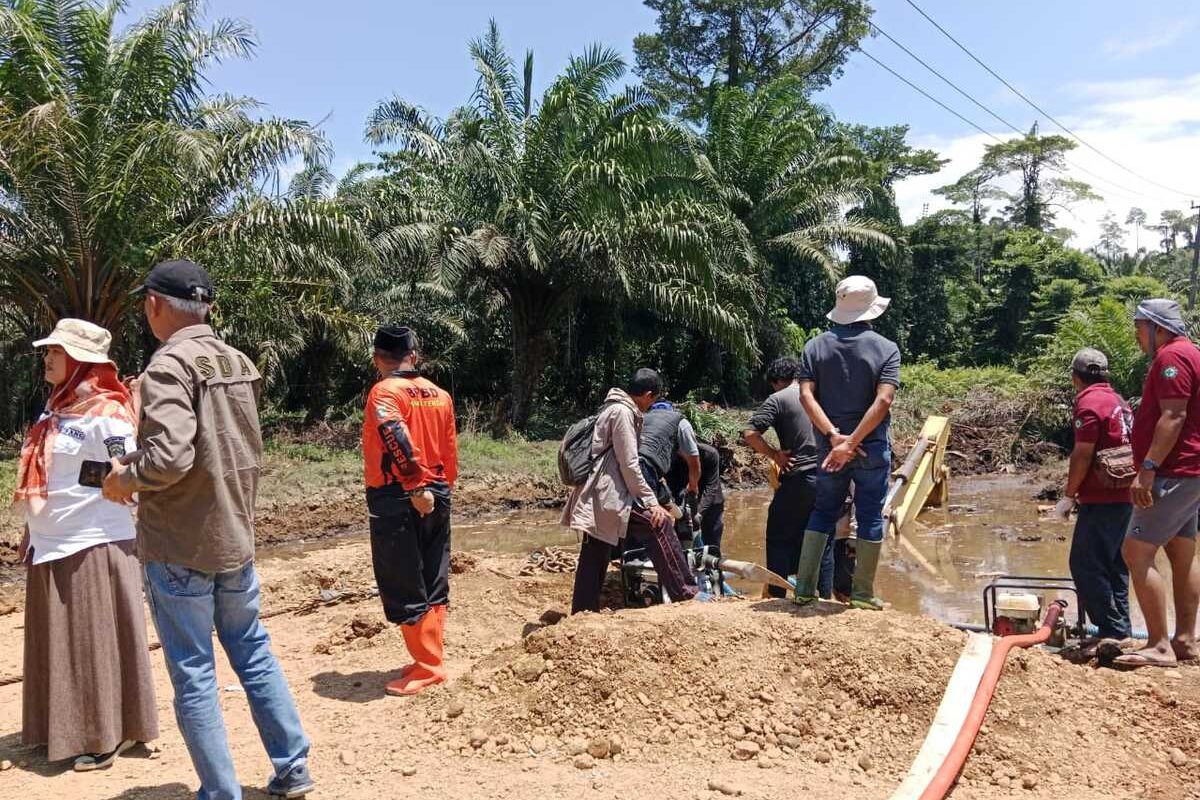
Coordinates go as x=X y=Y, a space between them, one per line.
x=196 y=476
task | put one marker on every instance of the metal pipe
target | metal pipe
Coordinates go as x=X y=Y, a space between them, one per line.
x=904 y=474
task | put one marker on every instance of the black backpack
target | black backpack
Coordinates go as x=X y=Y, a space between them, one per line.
x=575 y=462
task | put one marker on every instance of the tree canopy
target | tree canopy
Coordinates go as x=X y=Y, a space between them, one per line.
x=702 y=45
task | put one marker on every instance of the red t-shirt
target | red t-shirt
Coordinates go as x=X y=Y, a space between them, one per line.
x=1174 y=375
x=1102 y=418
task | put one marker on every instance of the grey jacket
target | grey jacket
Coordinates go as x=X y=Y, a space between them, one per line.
x=199 y=450
x=601 y=506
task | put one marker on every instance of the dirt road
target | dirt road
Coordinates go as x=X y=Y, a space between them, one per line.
x=691 y=701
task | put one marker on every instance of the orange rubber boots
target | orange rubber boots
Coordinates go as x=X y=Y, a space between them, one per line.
x=424 y=640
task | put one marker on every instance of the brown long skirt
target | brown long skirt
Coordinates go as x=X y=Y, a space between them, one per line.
x=87 y=683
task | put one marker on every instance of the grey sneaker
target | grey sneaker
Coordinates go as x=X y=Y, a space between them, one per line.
x=294 y=782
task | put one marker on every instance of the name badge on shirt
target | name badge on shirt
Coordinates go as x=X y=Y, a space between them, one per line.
x=74 y=433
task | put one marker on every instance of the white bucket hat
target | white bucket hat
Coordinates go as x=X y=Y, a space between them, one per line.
x=83 y=341
x=857 y=301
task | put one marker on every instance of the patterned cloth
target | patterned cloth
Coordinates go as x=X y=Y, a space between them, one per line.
x=92 y=390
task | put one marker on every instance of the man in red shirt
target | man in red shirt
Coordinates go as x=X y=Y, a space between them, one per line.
x=1102 y=420
x=410 y=462
x=1166 y=492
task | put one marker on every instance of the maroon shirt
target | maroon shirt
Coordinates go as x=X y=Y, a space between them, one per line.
x=1102 y=418
x=1174 y=375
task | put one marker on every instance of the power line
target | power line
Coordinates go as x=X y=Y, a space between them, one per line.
x=1130 y=193
x=947 y=81
x=1041 y=110
x=928 y=96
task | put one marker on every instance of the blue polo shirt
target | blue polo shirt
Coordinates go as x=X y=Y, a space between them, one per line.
x=847 y=363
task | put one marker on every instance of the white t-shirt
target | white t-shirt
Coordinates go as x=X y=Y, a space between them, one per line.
x=77 y=517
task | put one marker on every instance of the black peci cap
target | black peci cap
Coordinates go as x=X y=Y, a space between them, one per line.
x=396 y=339
x=183 y=279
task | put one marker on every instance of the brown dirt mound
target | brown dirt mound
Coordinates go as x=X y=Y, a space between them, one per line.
x=835 y=689
x=751 y=682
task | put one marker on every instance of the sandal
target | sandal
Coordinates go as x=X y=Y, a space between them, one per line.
x=1136 y=660
x=94 y=761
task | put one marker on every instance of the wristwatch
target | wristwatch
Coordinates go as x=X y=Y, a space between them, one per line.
x=1149 y=466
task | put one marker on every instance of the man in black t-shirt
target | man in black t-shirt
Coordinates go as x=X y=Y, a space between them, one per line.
x=796 y=459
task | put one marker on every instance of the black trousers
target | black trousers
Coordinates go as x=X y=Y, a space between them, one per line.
x=787 y=519
x=410 y=554
x=1098 y=568
x=712 y=525
x=662 y=546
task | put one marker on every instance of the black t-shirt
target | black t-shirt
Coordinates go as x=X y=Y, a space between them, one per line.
x=711 y=490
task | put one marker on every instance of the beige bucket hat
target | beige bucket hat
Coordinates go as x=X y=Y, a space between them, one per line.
x=83 y=341
x=857 y=301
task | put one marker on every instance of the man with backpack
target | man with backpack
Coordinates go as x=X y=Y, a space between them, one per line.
x=611 y=497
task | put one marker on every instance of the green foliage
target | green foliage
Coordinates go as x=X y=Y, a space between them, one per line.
x=8 y=476
x=794 y=336
x=1050 y=302
x=703 y=45
x=712 y=423
x=1132 y=289
x=1018 y=279
x=482 y=454
x=1040 y=164
x=1106 y=325
x=114 y=157
x=585 y=193
x=925 y=384
x=786 y=178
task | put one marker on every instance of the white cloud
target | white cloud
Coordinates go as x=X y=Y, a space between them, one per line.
x=1152 y=126
x=1164 y=34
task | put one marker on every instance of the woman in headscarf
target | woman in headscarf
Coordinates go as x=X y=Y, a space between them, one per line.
x=88 y=690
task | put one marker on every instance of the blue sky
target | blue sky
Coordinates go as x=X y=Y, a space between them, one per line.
x=1125 y=78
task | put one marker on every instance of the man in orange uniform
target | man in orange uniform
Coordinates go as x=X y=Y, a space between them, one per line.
x=410 y=455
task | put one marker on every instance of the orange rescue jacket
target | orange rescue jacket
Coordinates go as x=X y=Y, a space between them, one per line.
x=409 y=436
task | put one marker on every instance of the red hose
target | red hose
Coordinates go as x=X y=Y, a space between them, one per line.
x=947 y=773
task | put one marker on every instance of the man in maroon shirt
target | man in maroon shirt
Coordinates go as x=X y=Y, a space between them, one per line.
x=1102 y=420
x=1166 y=492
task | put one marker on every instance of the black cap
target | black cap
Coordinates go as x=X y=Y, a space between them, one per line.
x=396 y=339
x=183 y=279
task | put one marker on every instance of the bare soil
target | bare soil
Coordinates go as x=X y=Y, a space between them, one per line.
x=757 y=699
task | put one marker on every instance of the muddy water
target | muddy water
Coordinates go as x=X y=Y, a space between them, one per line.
x=991 y=527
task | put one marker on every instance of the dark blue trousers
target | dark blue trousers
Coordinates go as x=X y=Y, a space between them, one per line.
x=1099 y=572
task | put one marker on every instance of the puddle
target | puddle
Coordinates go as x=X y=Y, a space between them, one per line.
x=990 y=528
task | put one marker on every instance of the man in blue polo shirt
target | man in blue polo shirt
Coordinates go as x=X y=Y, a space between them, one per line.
x=848 y=380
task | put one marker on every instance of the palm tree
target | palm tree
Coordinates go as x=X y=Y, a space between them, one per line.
x=786 y=180
x=113 y=157
x=585 y=193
